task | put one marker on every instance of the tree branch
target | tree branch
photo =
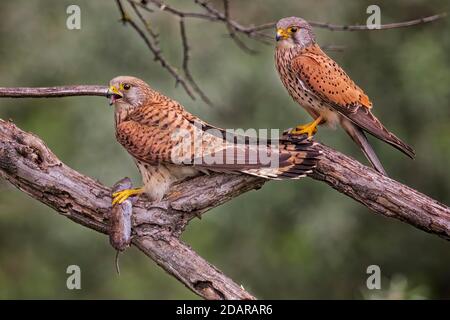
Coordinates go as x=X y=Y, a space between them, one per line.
x=364 y=27
x=29 y=165
x=51 y=92
x=382 y=194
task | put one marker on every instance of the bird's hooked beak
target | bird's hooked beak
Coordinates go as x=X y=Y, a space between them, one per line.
x=282 y=34
x=113 y=95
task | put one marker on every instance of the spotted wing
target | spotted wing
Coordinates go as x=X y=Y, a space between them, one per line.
x=320 y=75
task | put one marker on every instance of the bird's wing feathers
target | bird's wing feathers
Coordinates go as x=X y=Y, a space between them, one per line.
x=364 y=119
x=325 y=79
x=297 y=157
x=174 y=136
x=142 y=141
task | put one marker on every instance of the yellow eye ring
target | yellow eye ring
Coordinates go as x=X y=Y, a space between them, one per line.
x=293 y=29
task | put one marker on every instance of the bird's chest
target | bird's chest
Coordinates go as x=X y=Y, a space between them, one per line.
x=295 y=86
x=299 y=91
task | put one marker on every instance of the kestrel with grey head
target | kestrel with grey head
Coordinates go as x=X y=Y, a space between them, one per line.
x=169 y=144
x=325 y=91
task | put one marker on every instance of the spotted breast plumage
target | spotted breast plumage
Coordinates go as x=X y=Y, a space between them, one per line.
x=326 y=92
x=169 y=144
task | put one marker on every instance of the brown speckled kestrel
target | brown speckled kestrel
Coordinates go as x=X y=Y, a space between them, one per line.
x=327 y=93
x=161 y=137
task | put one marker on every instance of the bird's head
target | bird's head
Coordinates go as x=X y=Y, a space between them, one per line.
x=293 y=31
x=129 y=91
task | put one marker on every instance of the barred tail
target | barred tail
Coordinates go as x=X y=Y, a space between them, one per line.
x=298 y=157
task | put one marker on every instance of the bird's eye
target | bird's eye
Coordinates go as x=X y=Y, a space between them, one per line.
x=294 y=29
x=126 y=86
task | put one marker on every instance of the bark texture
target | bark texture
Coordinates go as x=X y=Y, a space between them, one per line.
x=27 y=163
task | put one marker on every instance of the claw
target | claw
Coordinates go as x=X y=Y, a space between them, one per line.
x=121 y=196
x=310 y=128
x=299 y=130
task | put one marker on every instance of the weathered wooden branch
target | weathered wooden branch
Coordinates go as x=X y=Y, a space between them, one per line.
x=28 y=164
x=52 y=92
x=382 y=194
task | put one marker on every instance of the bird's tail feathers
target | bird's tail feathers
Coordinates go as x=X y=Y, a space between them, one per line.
x=360 y=139
x=298 y=157
x=363 y=118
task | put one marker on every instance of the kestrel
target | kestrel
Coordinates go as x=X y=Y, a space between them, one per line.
x=328 y=94
x=169 y=144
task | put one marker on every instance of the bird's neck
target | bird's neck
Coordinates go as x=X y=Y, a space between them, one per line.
x=296 y=49
x=290 y=51
x=121 y=112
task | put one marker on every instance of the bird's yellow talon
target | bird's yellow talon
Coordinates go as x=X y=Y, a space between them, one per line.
x=121 y=196
x=310 y=128
x=304 y=130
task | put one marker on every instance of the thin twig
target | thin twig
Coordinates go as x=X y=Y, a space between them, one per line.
x=186 y=56
x=219 y=16
x=152 y=41
x=155 y=50
x=169 y=9
x=146 y=23
x=410 y=23
x=356 y=27
x=184 y=41
x=232 y=32
x=141 y=5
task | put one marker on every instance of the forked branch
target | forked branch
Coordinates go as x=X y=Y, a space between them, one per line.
x=29 y=165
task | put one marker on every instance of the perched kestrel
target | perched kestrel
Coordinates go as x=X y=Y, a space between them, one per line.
x=327 y=93
x=169 y=144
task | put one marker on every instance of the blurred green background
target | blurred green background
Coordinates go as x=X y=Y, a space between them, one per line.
x=291 y=240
